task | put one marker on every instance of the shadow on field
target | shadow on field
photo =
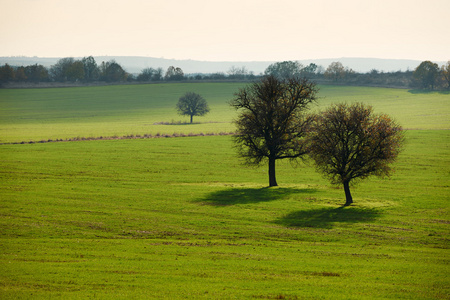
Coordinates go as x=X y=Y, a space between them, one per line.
x=250 y=195
x=326 y=217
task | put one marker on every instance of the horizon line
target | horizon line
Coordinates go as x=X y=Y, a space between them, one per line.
x=224 y=61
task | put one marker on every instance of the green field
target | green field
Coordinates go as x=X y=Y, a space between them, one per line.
x=182 y=218
x=63 y=113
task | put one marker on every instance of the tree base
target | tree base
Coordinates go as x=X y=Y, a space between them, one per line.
x=348 y=195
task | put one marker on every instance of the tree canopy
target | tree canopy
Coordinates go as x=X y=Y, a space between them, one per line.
x=173 y=73
x=192 y=104
x=445 y=75
x=91 y=71
x=426 y=75
x=349 y=142
x=284 y=69
x=150 y=74
x=271 y=124
x=111 y=71
x=336 y=71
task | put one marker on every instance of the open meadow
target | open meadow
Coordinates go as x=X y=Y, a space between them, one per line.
x=65 y=113
x=177 y=218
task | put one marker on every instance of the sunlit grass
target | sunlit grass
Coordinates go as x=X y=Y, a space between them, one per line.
x=63 y=113
x=181 y=218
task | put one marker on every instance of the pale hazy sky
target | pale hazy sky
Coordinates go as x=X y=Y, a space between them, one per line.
x=227 y=30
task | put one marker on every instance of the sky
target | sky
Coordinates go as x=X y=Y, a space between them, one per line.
x=227 y=30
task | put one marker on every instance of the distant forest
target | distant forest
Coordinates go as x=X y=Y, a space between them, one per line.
x=427 y=75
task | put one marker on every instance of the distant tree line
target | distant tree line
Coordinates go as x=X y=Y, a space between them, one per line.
x=66 y=69
x=427 y=75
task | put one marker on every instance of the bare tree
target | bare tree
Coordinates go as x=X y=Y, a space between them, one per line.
x=349 y=142
x=271 y=125
x=238 y=73
x=192 y=104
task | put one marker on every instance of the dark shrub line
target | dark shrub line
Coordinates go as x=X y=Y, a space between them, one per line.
x=125 y=137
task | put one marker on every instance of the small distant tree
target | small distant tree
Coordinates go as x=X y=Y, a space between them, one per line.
x=91 y=70
x=310 y=70
x=374 y=72
x=173 y=73
x=6 y=73
x=217 y=76
x=272 y=124
x=238 y=73
x=350 y=142
x=20 y=74
x=192 y=104
x=284 y=70
x=36 y=73
x=335 y=71
x=150 y=74
x=158 y=75
x=59 y=71
x=426 y=74
x=111 y=71
x=75 y=71
x=146 y=74
x=349 y=73
x=445 y=75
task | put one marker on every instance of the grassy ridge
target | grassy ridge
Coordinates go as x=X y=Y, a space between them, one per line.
x=176 y=218
x=41 y=114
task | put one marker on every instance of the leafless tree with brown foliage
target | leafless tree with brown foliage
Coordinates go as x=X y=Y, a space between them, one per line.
x=272 y=125
x=349 y=142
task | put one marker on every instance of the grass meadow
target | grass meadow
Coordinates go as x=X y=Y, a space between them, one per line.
x=182 y=218
x=65 y=113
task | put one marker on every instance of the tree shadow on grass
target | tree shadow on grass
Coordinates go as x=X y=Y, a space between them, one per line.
x=250 y=195
x=326 y=217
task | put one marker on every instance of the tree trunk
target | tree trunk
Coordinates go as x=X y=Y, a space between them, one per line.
x=272 y=177
x=191 y=118
x=348 y=195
